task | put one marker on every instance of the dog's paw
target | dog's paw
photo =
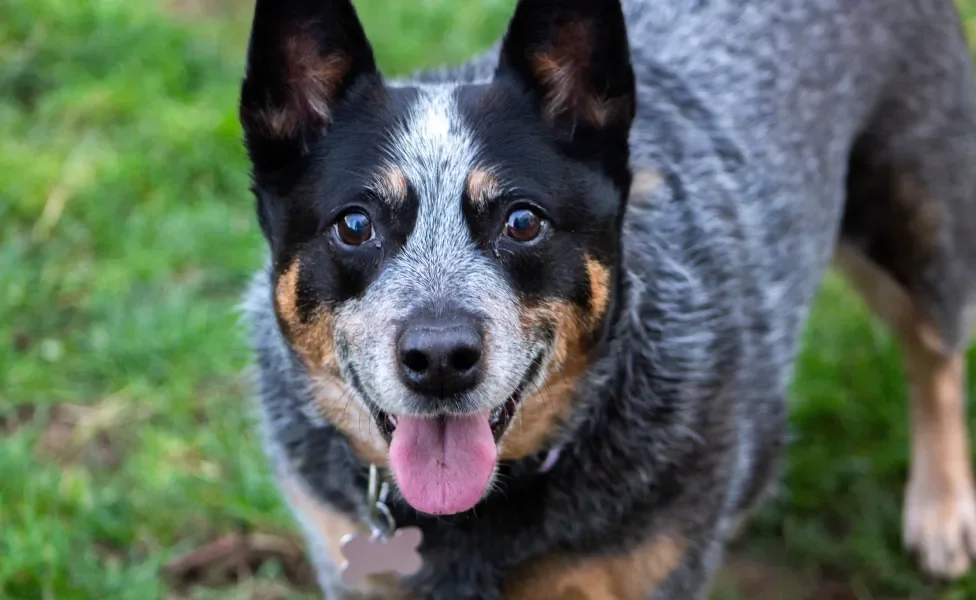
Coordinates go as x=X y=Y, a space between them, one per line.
x=940 y=527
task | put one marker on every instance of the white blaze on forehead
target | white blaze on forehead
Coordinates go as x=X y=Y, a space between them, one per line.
x=434 y=146
x=436 y=150
x=436 y=120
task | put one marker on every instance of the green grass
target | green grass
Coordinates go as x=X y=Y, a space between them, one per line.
x=126 y=235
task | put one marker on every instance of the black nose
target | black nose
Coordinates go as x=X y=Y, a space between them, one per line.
x=440 y=357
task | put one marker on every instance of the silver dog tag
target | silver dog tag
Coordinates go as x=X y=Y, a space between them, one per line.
x=378 y=555
x=388 y=549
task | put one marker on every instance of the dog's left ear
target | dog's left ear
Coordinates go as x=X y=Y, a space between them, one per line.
x=304 y=58
x=573 y=55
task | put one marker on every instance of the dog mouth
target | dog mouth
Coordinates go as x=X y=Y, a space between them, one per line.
x=444 y=463
x=499 y=418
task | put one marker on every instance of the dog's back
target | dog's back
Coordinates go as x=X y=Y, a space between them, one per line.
x=816 y=130
x=792 y=94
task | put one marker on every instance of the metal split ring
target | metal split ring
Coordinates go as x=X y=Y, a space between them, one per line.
x=380 y=517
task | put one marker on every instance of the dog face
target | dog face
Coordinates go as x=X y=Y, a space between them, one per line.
x=445 y=256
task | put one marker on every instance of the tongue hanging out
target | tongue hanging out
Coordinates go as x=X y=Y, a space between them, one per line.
x=443 y=465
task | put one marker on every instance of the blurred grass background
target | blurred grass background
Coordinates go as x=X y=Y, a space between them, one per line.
x=126 y=237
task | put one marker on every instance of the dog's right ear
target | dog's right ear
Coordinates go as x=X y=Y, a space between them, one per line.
x=304 y=57
x=575 y=57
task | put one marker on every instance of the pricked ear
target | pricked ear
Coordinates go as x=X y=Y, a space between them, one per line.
x=574 y=55
x=303 y=58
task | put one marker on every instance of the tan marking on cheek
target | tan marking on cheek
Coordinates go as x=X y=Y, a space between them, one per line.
x=537 y=418
x=312 y=339
x=568 y=322
x=286 y=294
x=337 y=404
x=599 y=277
x=315 y=345
x=631 y=576
x=482 y=187
x=391 y=184
x=540 y=413
x=330 y=526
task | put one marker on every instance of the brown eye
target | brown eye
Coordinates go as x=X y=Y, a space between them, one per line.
x=523 y=225
x=354 y=228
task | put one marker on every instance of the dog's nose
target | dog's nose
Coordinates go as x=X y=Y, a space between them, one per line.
x=440 y=357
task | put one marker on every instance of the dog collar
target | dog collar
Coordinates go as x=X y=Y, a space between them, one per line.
x=551 y=459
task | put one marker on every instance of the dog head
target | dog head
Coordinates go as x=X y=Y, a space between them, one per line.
x=445 y=256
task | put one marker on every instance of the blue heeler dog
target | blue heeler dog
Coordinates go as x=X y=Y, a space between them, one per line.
x=528 y=324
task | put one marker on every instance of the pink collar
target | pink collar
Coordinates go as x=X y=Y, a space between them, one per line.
x=551 y=459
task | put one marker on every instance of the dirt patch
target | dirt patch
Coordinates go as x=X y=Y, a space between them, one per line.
x=236 y=558
x=12 y=418
x=22 y=340
x=89 y=436
x=749 y=577
x=252 y=589
x=752 y=578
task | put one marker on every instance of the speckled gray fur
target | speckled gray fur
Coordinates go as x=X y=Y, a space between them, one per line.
x=748 y=111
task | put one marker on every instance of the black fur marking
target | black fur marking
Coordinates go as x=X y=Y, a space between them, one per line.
x=337 y=175
x=588 y=40
x=288 y=39
x=583 y=204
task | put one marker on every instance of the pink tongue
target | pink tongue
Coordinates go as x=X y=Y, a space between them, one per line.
x=443 y=466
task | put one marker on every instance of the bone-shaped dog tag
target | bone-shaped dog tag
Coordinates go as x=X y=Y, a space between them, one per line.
x=377 y=555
